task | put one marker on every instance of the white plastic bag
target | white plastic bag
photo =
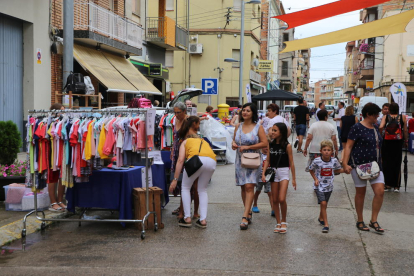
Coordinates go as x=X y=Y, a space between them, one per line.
x=90 y=90
x=213 y=129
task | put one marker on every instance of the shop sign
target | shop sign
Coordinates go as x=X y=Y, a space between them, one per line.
x=155 y=69
x=369 y=84
x=265 y=66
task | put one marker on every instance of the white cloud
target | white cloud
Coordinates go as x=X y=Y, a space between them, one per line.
x=326 y=61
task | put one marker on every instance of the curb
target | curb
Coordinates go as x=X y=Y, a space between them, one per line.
x=13 y=231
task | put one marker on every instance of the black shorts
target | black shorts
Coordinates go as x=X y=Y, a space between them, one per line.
x=322 y=196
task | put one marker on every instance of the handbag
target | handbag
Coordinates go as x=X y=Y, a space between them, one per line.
x=194 y=163
x=249 y=160
x=371 y=170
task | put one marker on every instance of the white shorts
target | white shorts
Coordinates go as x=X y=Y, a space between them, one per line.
x=282 y=174
x=359 y=183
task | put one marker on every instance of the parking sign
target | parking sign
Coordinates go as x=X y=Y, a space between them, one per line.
x=209 y=86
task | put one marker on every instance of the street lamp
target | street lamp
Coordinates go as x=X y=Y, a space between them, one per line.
x=242 y=49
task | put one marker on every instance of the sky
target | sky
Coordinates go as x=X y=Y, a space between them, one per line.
x=327 y=61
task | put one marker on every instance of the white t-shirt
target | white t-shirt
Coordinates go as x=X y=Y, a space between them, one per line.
x=324 y=172
x=320 y=131
x=268 y=123
x=340 y=114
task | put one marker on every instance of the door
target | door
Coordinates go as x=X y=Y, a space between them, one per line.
x=11 y=70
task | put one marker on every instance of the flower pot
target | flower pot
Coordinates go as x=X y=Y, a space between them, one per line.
x=4 y=181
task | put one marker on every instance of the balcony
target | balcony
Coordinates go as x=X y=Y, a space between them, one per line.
x=163 y=31
x=366 y=74
x=97 y=24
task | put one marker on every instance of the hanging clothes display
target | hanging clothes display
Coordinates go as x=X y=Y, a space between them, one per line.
x=68 y=145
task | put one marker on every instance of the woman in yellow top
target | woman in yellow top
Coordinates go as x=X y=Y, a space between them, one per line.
x=188 y=149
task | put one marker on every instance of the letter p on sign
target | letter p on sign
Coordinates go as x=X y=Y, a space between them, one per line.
x=209 y=86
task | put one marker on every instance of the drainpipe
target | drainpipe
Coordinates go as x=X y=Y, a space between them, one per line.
x=68 y=23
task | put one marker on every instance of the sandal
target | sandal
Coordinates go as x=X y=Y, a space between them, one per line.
x=61 y=203
x=183 y=223
x=250 y=218
x=377 y=228
x=283 y=230
x=198 y=224
x=276 y=230
x=244 y=225
x=59 y=209
x=361 y=226
x=175 y=212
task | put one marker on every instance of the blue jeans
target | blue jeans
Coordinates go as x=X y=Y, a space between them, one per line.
x=339 y=137
x=301 y=130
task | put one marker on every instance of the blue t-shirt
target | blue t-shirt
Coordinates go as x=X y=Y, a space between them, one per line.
x=364 y=150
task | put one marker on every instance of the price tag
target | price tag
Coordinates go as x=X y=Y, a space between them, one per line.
x=150 y=123
x=157 y=157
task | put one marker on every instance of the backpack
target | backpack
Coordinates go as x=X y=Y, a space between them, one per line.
x=90 y=90
x=144 y=103
x=393 y=128
x=75 y=83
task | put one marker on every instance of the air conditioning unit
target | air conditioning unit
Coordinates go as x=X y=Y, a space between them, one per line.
x=195 y=48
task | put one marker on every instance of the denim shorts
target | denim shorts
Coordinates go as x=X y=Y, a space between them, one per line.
x=322 y=196
x=266 y=185
x=301 y=130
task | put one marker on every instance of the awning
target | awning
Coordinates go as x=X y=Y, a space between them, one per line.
x=114 y=72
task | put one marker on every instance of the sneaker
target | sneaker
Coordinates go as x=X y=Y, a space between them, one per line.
x=396 y=190
x=325 y=229
x=321 y=222
x=386 y=190
x=255 y=209
x=296 y=143
x=273 y=213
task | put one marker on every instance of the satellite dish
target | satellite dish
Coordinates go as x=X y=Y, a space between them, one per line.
x=255 y=62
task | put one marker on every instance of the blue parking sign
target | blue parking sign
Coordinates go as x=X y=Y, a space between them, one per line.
x=209 y=86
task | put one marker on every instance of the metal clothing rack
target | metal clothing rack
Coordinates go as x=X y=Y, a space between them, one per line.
x=148 y=213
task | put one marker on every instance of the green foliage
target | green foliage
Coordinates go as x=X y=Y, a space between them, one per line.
x=10 y=142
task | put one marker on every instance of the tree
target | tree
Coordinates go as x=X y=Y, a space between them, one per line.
x=10 y=142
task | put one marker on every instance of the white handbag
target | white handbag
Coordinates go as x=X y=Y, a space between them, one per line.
x=370 y=170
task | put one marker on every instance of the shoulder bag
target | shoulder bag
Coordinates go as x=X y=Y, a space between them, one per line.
x=194 y=163
x=369 y=170
x=249 y=160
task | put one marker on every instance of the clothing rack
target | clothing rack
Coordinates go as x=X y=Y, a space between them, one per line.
x=147 y=165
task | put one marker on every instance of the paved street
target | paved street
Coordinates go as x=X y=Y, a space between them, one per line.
x=222 y=249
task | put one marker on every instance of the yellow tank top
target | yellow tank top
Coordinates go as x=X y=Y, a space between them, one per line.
x=193 y=145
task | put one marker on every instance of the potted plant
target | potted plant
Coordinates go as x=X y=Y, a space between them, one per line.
x=10 y=144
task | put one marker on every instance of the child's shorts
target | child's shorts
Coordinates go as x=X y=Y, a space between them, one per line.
x=281 y=174
x=322 y=196
x=260 y=185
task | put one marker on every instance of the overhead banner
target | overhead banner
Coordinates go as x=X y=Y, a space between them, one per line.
x=399 y=95
x=300 y=18
x=391 y=25
x=265 y=66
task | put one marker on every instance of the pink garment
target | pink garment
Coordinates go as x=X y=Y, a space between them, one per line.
x=141 y=136
x=110 y=139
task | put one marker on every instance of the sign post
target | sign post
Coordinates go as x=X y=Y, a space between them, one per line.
x=210 y=87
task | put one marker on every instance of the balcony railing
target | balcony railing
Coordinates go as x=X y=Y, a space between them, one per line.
x=92 y=17
x=164 y=32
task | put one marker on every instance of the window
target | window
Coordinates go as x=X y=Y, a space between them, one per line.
x=136 y=7
x=169 y=58
x=235 y=54
x=170 y=5
x=237 y=5
x=285 y=69
x=412 y=69
x=285 y=37
x=232 y=101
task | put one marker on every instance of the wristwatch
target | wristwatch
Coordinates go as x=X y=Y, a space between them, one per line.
x=176 y=179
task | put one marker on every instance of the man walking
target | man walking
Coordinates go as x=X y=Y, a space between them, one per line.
x=301 y=117
x=321 y=107
x=384 y=112
x=341 y=112
x=318 y=132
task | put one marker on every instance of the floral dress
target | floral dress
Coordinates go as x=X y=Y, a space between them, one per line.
x=243 y=175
